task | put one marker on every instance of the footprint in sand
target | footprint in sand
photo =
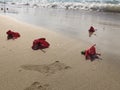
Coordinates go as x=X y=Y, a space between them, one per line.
x=47 y=69
x=38 y=86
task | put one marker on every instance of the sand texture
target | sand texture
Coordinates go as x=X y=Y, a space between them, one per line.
x=59 y=67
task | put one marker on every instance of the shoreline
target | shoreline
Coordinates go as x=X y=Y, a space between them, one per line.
x=83 y=75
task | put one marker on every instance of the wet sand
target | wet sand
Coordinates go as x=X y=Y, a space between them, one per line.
x=59 y=67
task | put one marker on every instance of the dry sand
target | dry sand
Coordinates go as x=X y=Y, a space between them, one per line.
x=60 y=67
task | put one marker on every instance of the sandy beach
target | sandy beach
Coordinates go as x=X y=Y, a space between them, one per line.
x=59 y=67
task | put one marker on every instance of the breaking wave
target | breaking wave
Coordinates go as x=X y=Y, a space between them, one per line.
x=84 y=6
x=93 y=6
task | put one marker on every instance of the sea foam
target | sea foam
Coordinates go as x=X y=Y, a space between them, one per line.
x=94 y=6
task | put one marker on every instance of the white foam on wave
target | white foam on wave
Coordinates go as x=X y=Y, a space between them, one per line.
x=94 y=6
x=84 y=6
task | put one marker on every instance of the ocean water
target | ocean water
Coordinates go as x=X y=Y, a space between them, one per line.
x=91 y=5
x=74 y=23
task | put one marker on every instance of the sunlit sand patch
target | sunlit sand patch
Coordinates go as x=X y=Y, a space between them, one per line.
x=47 y=69
x=38 y=86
